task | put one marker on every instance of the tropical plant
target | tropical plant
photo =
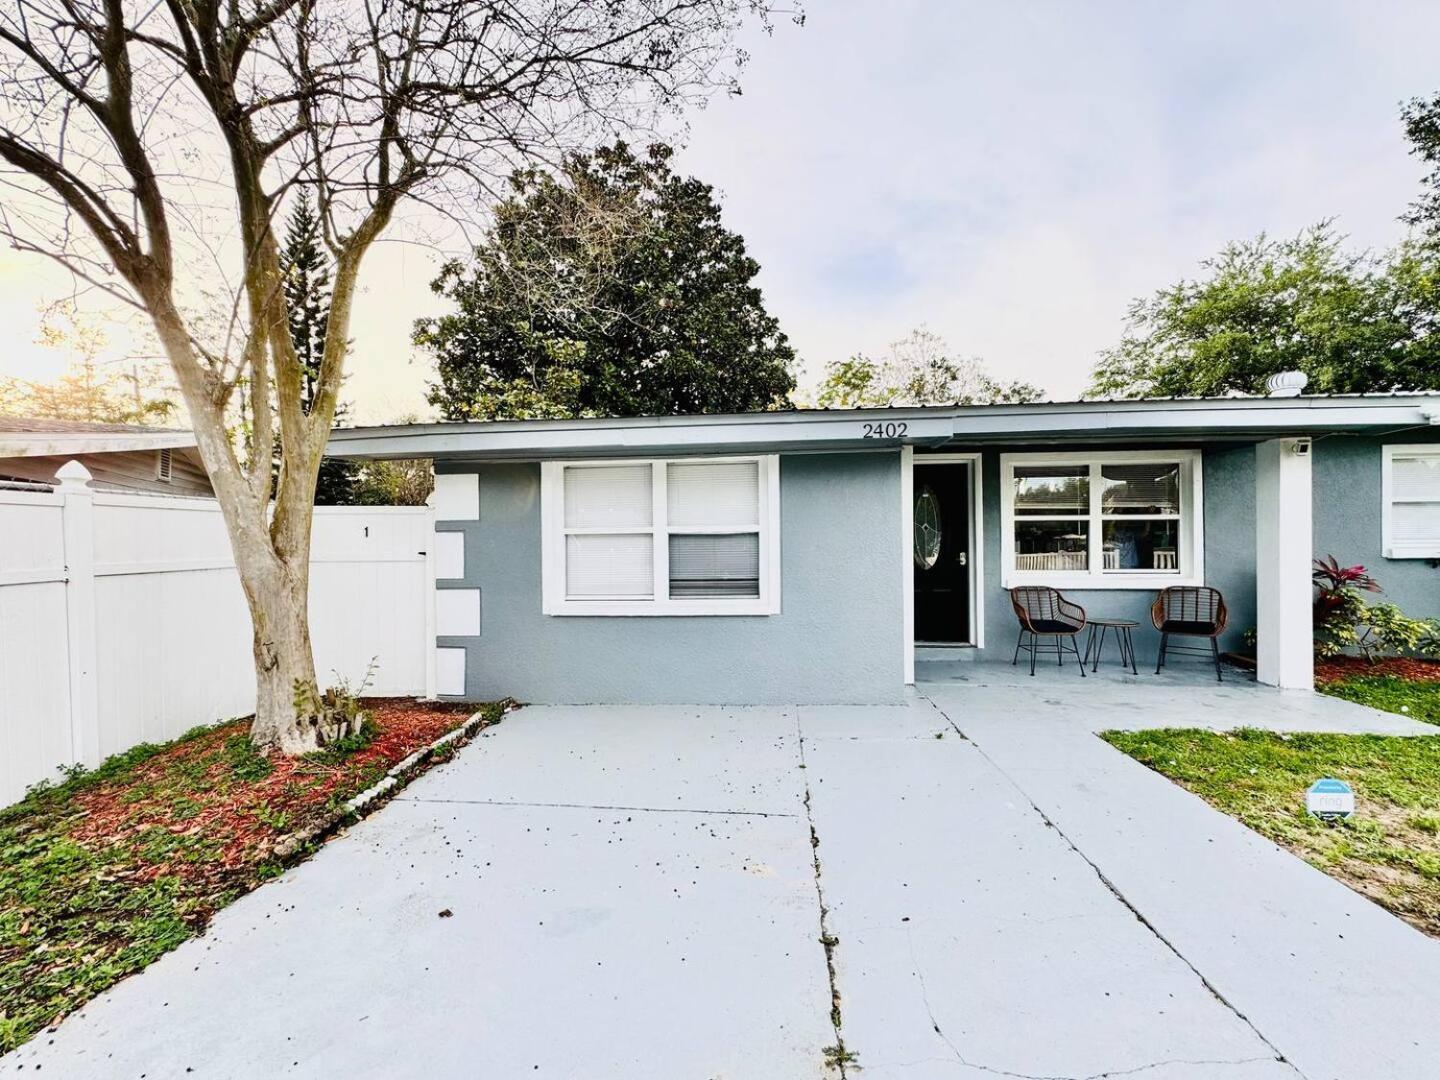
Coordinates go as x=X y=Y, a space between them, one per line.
x=1343 y=620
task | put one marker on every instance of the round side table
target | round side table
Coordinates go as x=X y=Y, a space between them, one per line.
x=1095 y=643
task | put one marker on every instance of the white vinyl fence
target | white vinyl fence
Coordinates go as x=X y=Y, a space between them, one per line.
x=122 y=619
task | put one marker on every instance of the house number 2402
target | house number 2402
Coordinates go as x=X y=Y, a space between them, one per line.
x=894 y=429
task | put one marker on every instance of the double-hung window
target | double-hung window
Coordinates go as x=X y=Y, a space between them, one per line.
x=683 y=536
x=1410 y=502
x=1122 y=519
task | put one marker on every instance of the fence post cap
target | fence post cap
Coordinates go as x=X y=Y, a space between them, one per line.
x=73 y=477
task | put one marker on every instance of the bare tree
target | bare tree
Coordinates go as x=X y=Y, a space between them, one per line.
x=151 y=146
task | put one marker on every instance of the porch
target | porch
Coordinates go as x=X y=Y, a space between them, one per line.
x=1184 y=695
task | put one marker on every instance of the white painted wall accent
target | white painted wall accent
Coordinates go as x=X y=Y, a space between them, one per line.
x=1285 y=650
x=450 y=671
x=449 y=555
x=457 y=496
x=907 y=562
x=457 y=612
x=122 y=619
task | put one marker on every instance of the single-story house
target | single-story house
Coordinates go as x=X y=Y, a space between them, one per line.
x=119 y=457
x=813 y=555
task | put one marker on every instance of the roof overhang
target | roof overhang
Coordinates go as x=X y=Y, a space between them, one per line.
x=1237 y=419
x=73 y=444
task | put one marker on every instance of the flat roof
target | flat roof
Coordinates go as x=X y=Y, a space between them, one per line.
x=930 y=426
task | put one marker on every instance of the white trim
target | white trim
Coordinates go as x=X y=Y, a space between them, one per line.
x=1389 y=452
x=1192 y=522
x=907 y=563
x=976 y=541
x=553 y=532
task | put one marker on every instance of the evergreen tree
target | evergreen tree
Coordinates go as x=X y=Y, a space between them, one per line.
x=307 y=296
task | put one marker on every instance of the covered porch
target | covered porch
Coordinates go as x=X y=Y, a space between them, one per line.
x=1184 y=695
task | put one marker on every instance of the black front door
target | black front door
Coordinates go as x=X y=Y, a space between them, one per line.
x=942 y=552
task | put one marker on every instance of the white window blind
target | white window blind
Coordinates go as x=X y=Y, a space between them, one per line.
x=719 y=494
x=597 y=496
x=1412 y=510
x=599 y=565
x=690 y=536
x=722 y=498
x=609 y=531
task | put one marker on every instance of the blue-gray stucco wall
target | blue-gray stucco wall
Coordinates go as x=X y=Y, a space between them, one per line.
x=838 y=637
x=1346 y=472
x=1228 y=478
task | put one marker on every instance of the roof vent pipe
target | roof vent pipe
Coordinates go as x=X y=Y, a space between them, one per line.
x=1286 y=383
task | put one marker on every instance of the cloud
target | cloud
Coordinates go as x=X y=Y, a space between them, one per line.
x=1013 y=175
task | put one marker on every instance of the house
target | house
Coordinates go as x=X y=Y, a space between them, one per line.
x=118 y=456
x=815 y=555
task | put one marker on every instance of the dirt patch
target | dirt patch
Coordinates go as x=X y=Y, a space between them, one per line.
x=1340 y=668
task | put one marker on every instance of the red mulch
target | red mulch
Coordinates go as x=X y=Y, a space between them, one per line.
x=225 y=825
x=1349 y=667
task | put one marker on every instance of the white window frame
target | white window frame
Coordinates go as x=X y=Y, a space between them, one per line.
x=1192 y=522
x=1388 y=547
x=553 y=533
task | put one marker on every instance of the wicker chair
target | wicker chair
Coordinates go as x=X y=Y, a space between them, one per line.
x=1189 y=611
x=1043 y=612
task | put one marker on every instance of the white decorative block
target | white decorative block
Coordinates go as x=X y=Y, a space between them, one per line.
x=450 y=671
x=457 y=496
x=457 y=612
x=449 y=555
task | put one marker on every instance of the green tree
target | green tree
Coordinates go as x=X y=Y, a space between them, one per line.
x=307 y=303
x=1352 y=322
x=920 y=370
x=1421 y=117
x=612 y=289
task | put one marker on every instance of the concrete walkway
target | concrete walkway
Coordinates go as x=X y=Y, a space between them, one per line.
x=598 y=892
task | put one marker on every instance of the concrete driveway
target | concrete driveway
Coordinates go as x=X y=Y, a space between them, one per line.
x=594 y=892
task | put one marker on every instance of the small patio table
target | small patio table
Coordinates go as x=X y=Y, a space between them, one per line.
x=1121 y=629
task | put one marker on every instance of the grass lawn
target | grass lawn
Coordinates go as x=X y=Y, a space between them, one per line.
x=111 y=869
x=1390 y=849
x=1418 y=699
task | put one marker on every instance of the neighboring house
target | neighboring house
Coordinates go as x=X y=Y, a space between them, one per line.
x=810 y=556
x=118 y=456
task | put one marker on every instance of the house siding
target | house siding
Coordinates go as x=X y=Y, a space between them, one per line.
x=838 y=637
x=1346 y=471
x=132 y=470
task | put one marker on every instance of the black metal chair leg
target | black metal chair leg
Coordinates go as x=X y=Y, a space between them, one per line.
x=1018 y=639
x=1099 y=648
x=1130 y=650
x=1160 y=660
x=1215 y=652
x=1080 y=663
x=1034 y=641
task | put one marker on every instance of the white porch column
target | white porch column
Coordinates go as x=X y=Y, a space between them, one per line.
x=1285 y=649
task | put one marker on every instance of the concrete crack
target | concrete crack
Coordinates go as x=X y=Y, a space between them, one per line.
x=837 y=1057
x=1139 y=916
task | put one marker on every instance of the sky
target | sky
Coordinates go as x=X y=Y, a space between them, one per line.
x=1010 y=176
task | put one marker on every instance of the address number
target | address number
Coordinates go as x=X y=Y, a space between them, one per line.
x=893 y=430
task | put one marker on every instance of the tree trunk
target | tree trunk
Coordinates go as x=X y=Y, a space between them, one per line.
x=284 y=664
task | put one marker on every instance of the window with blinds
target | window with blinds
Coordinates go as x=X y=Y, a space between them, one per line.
x=1410 y=495
x=682 y=536
x=1093 y=520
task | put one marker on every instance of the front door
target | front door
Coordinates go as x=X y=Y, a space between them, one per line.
x=942 y=552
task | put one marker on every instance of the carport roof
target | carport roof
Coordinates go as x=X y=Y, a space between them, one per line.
x=933 y=426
